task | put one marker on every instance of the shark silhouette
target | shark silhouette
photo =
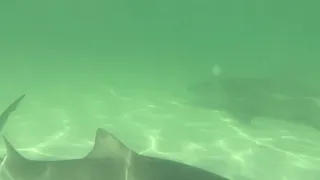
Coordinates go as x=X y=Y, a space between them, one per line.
x=248 y=87
x=298 y=111
x=246 y=98
x=257 y=86
x=246 y=106
x=109 y=159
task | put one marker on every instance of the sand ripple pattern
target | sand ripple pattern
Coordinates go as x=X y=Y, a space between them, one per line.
x=158 y=123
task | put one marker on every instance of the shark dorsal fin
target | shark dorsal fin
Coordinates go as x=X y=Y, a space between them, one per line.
x=12 y=153
x=108 y=146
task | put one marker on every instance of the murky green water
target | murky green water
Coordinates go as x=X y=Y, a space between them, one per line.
x=125 y=66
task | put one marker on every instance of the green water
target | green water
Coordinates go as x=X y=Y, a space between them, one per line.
x=125 y=66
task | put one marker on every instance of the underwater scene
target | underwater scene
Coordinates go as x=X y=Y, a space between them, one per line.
x=159 y=90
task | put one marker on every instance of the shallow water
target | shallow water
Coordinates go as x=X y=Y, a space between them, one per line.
x=61 y=121
x=125 y=66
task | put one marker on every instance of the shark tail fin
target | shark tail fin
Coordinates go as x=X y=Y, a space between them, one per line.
x=12 y=153
x=6 y=113
x=217 y=83
x=216 y=72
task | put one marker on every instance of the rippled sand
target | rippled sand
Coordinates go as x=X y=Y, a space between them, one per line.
x=61 y=123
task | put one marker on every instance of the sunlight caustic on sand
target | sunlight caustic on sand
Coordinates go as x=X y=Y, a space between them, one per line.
x=163 y=126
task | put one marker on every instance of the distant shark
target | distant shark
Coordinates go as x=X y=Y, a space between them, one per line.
x=109 y=159
x=298 y=111
x=235 y=86
x=256 y=86
x=249 y=98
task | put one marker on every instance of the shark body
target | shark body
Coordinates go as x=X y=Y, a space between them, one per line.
x=299 y=111
x=249 y=98
x=109 y=159
x=257 y=86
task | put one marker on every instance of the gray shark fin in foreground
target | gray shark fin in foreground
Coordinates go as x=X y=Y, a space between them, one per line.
x=6 y=113
x=109 y=159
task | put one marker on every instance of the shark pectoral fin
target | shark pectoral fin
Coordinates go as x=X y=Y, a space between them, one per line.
x=108 y=146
